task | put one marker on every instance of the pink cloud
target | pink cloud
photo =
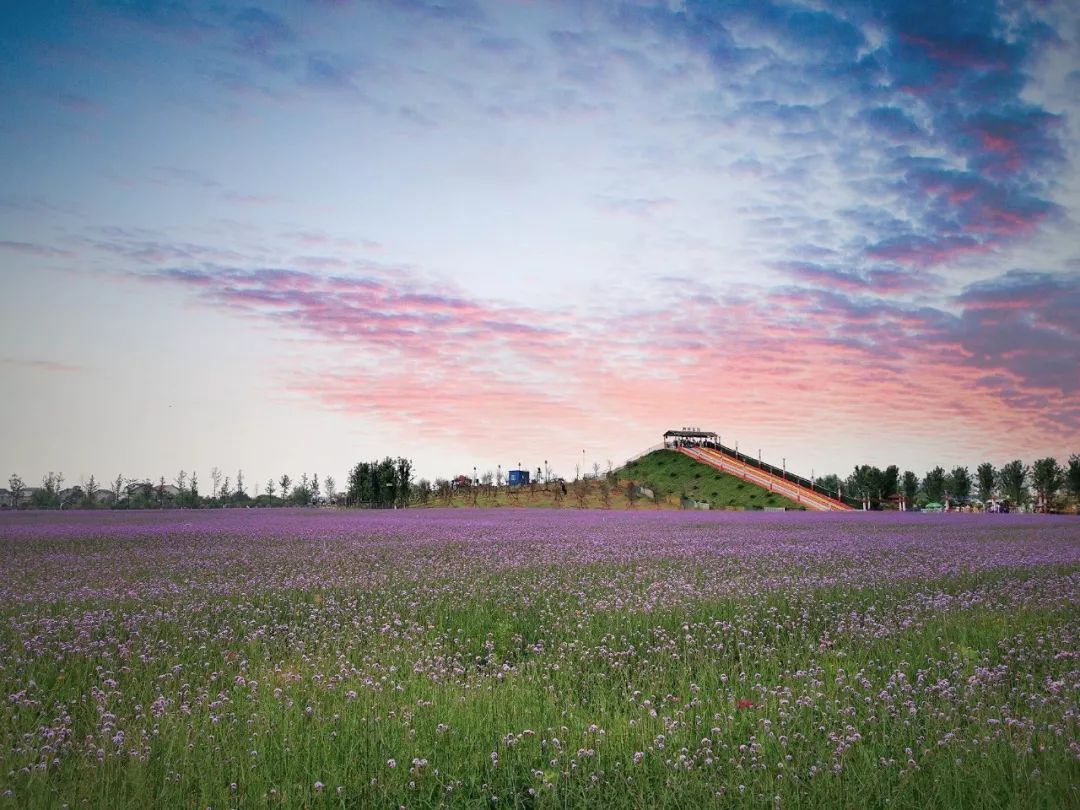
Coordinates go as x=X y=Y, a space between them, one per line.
x=795 y=361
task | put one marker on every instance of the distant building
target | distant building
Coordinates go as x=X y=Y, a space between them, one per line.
x=517 y=478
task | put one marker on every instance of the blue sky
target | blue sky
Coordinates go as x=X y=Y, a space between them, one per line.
x=288 y=236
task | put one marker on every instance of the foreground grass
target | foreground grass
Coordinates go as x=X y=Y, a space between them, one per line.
x=631 y=684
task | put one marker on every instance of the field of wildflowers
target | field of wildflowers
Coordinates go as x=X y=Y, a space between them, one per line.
x=511 y=657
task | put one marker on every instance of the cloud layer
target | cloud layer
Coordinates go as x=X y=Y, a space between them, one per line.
x=495 y=225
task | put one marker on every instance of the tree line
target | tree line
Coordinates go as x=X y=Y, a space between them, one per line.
x=1041 y=484
x=389 y=483
x=182 y=491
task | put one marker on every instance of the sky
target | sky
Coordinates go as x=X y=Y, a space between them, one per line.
x=287 y=237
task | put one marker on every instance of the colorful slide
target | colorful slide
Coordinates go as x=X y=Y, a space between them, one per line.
x=752 y=474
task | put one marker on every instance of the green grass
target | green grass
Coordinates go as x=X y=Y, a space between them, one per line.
x=691 y=673
x=678 y=474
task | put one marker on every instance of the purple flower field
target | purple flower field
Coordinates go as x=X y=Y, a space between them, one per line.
x=426 y=658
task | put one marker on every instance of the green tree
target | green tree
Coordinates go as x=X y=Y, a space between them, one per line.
x=1014 y=478
x=866 y=482
x=1072 y=477
x=910 y=486
x=88 y=499
x=1047 y=476
x=831 y=483
x=301 y=494
x=117 y=489
x=890 y=481
x=48 y=496
x=422 y=491
x=958 y=484
x=934 y=484
x=285 y=483
x=402 y=481
x=16 y=485
x=380 y=483
x=987 y=478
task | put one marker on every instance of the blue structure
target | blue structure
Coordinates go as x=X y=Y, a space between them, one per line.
x=517 y=478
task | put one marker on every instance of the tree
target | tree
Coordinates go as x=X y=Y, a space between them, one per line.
x=958 y=483
x=867 y=483
x=1047 y=476
x=48 y=497
x=193 y=491
x=631 y=494
x=225 y=494
x=403 y=480
x=830 y=483
x=285 y=483
x=986 y=476
x=1072 y=476
x=301 y=494
x=240 y=484
x=215 y=480
x=89 y=501
x=1014 y=478
x=934 y=484
x=270 y=490
x=315 y=487
x=910 y=486
x=382 y=483
x=181 y=482
x=581 y=492
x=890 y=481
x=444 y=491
x=117 y=489
x=423 y=491
x=329 y=487
x=16 y=485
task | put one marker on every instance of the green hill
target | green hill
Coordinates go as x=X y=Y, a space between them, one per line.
x=676 y=474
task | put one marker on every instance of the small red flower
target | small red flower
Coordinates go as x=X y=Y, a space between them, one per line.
x=744 y=703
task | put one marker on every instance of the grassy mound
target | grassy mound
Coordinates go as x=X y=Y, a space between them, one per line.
x=676 y=474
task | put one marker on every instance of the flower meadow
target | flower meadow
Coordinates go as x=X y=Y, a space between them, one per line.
x=512 y=657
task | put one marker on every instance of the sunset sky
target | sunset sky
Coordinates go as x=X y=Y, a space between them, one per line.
x=289 y=236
